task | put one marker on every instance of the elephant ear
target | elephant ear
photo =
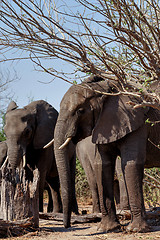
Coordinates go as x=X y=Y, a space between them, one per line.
x=117 y=118
x=11 y=106
x=46 y=117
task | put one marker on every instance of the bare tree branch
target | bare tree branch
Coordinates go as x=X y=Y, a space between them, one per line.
x=121 y=37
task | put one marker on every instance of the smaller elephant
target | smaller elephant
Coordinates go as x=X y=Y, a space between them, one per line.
x=86 y=153
x=28 y=130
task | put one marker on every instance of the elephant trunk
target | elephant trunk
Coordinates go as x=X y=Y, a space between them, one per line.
x=62 y=161
x=12 y=158
x=15 y=154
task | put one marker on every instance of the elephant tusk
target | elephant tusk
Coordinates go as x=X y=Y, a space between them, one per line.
x=5 y=161
x=49 y=144
x=24 y=161
x=65 y=143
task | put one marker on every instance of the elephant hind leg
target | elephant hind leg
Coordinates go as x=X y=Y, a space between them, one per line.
x=133 y=154
x=138 y=221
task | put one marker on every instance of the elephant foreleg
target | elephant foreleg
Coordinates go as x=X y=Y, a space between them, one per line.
x=104 y=171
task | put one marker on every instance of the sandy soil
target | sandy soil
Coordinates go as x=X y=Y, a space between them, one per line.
x=88 y=231
x=50 y=229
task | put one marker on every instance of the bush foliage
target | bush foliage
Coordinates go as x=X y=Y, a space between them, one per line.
x=82 y=187
x=151 y=187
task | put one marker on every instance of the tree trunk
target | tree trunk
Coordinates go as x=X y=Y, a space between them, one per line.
x=20 y=195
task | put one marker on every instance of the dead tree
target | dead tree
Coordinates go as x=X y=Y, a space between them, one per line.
x=20 y=195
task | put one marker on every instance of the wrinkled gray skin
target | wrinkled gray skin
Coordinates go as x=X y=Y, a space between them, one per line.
x=27 y=131
x=118 y=130
x=86 y=153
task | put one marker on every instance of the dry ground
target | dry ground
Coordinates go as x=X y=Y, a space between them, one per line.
x=50 y=229
x=88 y=231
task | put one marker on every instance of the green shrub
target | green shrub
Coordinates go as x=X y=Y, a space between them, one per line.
x=82 y=187
x=2 y=135
x=151 y=187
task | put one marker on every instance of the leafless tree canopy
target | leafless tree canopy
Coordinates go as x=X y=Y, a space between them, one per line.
x=5 y=94
x=113 y=38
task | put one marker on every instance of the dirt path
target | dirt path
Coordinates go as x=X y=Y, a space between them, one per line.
x=54 y=230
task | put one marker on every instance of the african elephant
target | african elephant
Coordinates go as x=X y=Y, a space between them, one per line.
x=86 y=153
x=117 y=129
x=27 y=131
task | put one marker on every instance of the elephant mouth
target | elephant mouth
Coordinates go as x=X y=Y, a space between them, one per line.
x=21 y=162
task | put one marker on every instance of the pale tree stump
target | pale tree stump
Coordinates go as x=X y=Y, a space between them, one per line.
x=20 y=195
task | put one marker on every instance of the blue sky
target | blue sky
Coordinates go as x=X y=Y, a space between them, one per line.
x=29 y=84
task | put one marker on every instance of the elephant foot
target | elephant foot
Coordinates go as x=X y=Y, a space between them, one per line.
x=108 y=225
x=96 y=210
x=138 y=226
x=57 y=210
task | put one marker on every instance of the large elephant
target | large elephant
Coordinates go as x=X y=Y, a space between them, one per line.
x=27 y=131
x=117 y=129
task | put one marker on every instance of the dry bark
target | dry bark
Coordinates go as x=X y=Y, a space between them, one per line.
x=20 y=195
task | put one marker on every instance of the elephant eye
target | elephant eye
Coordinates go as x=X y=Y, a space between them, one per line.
x=27 y=132
x=80 y=111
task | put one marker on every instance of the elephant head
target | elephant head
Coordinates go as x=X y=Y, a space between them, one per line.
x=28 y=127
x=84 y=111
